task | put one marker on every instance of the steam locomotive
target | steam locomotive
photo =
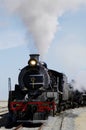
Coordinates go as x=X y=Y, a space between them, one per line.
x=40 y=91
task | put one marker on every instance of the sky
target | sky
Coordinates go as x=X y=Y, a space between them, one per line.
x=58 y=33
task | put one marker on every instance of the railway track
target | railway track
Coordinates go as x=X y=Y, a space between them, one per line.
x=64 y=120
x=20 y=127
x=53 y=123
x=3 y=110
x=50 y=124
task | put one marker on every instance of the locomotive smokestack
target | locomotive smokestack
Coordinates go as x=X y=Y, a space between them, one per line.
x=34 y=56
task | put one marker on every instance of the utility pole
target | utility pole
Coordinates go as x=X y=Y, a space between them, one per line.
x=9 y=84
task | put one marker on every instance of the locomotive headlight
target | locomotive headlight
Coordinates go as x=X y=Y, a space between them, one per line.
x=33 y=62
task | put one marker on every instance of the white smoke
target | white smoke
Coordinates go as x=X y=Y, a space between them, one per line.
x=80 y=79
x=41 y=17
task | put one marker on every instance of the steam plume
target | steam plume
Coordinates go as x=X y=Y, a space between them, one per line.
x=41 y=17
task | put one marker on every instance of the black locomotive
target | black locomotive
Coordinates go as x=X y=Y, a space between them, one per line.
x=40 y=91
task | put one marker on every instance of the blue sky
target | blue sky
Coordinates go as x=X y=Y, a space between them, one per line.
x=67 y=52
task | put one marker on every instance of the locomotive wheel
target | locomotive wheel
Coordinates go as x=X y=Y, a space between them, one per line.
x=63 y=108
x=58 y=110
x=10 y=121
x=54 y=113
x=40 y=116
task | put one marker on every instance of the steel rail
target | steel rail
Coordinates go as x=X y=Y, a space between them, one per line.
x=40 y=128
x=3 y=107
x=3 y=111
x=62 y=119
x=18 y=127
